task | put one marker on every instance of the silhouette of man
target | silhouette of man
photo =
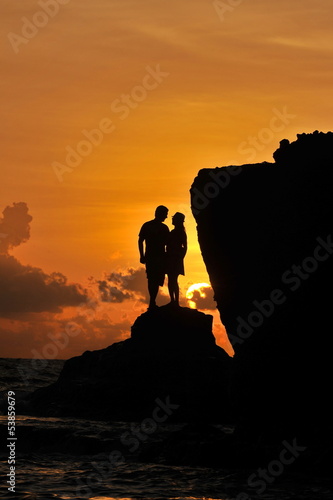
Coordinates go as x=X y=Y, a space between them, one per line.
x=153 y=238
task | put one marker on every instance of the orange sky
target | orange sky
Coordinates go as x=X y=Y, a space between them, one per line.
x=175 y=87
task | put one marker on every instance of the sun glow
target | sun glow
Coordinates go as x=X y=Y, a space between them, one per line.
x=196 y=287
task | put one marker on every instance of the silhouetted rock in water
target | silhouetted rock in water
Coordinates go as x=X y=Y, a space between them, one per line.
x=265 y=232
x=170 y=367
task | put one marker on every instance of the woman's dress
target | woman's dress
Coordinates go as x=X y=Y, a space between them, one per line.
x=176 y=251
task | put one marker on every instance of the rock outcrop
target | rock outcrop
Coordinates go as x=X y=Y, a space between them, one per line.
x=266 y=236
x=171 y=358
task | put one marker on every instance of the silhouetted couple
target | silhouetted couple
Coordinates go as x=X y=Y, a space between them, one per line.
x=163 y=252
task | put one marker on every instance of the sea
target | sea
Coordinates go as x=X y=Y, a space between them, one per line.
x=69 y=458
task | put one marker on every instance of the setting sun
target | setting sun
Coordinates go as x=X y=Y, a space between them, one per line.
x=197 y=287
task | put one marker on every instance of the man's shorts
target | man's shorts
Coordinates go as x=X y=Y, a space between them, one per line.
x=156 y=272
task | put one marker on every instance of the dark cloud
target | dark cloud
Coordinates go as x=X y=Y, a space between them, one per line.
x=29 y=289
x=205 y=302
x=45 y=337
x=14 y=226
x=126 y=285
x=110 y=293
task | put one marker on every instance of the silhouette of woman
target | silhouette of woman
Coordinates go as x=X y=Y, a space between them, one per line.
x=176 y=249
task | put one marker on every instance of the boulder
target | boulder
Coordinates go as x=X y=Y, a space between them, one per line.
x=171 y=362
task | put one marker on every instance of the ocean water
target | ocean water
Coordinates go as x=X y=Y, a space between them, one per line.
x=66 y=458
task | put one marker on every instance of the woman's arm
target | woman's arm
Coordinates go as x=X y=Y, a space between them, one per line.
x=185 y=245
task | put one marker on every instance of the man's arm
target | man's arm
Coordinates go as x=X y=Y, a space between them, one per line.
x=166 y=236
x=141 y=250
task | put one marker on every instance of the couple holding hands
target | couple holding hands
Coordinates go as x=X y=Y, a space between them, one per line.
x=163 y=252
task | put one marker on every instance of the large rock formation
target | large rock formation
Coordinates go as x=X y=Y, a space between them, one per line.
x=171 y=358
x=265 y=232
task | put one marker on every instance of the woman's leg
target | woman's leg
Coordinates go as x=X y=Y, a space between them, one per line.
x=173 y=288
x=176 y=291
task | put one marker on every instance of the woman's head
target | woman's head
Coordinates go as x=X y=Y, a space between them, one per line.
x=178 y=219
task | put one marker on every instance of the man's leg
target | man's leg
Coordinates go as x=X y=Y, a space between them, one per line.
x=153 y=291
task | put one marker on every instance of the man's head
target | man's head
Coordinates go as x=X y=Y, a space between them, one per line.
x=161 y=213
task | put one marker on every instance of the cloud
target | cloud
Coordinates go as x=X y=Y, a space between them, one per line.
x=24 y=288
x=14 y=226
x=44 y=336
x=124 y=285
x=29 y=289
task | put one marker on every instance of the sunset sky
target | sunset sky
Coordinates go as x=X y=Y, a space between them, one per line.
x=110 y=108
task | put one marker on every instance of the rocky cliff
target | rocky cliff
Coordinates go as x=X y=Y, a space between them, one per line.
x=266 y=236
